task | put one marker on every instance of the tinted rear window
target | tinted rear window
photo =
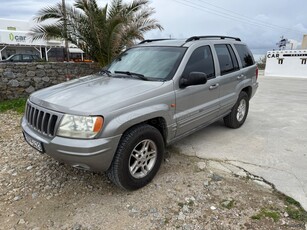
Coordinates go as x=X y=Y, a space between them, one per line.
x=245 y=55
x=227 y=64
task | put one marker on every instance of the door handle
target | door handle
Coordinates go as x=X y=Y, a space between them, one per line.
x=240 y=77
x=214 y=86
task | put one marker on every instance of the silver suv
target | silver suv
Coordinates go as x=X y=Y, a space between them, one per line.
x=153 y=94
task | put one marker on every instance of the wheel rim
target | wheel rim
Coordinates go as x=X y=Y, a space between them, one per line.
x=241 y=110
x=142 y=158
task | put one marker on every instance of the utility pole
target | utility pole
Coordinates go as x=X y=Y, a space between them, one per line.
x=65 y=30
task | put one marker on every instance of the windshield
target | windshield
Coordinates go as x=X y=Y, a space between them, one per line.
x=155 y=63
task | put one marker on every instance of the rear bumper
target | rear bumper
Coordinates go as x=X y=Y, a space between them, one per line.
x=92 y=154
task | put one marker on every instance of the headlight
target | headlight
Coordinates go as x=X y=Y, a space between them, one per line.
x=80 y=126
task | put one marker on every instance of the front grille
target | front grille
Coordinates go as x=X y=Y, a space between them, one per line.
x=41 y=120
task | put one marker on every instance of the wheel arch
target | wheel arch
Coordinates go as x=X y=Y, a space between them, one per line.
x=158 y=122
x=158 y=116
x=248 y=90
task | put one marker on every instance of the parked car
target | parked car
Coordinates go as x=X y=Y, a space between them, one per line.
x=22 y=58
x=153 y=94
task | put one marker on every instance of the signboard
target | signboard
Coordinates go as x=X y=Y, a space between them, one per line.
x=18 y=38
x=286 y=63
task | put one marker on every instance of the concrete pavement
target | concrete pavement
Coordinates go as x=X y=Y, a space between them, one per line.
x=272 y=143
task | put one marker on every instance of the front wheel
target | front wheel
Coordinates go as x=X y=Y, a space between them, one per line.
x=238 y=114
x=138 y=157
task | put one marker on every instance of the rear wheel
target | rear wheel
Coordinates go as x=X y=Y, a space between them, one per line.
x=138 y=157
x=238 y=114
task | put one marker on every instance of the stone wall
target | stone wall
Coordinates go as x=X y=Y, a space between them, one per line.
x=20 y=79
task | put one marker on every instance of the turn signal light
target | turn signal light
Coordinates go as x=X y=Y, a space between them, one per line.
x=98 y=124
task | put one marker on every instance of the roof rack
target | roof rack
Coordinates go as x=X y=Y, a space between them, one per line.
x=194 y=38
x=153 y=40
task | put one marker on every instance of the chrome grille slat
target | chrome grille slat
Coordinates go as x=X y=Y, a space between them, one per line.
x=53 y=121
x=29 y=110
x=42 y=120
x=35 y=118
x=48 y=125
x=45 y=123
x=30 y=115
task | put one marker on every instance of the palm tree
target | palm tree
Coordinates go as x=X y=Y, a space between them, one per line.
x=102 y=32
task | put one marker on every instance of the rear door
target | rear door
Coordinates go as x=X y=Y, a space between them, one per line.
x=199 y=104
x=229 y=76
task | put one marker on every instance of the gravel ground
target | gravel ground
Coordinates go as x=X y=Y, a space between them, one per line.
x=36 y=192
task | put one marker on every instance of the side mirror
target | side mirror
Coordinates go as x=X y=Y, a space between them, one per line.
x=194 y=78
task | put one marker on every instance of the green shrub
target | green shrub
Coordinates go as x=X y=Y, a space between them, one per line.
x=17 y=105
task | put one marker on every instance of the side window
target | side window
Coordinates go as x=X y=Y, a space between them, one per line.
x=245 y=55
x=233 y=58
x=26 y=57
x=228 y=62
x=201 y=60
x=16 y=57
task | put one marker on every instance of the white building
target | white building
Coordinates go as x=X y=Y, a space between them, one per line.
x=15 y=38
x=286 y=63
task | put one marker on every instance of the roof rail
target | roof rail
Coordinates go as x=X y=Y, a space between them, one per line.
x=194 y=38
x=153 y=40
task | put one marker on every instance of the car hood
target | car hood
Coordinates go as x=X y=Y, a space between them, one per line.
x=92 y=94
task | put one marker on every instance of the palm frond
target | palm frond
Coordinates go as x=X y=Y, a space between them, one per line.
x=49 y=12
x=100 y=31
x=47 y=31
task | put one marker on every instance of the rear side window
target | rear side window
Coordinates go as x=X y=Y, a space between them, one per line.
x=227 y=60
x=201 y=60
x=245 y=55
x=34 y=57
x=27 y=57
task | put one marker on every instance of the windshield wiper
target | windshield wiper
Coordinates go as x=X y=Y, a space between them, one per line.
x=138 y=75
x=105 y=71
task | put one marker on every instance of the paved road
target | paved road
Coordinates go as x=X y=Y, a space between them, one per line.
x=271 y=144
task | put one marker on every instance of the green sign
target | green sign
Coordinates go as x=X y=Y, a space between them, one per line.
x=11 y=36
x=17 y=38
x=11 y=28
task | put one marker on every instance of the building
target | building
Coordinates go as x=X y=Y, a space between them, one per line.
x=287 y=63
x=304 y=43
x=15 y=38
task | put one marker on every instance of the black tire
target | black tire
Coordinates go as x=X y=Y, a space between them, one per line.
x=236 y=118
x=127 y=153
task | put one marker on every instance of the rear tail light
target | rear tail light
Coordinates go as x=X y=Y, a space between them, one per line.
x=257 y=73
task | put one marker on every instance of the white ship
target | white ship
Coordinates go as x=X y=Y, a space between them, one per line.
x=287 y=63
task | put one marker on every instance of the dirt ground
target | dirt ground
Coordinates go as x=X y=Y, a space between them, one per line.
x=36 y=192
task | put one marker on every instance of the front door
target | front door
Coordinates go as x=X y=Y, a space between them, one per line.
x=198 y=105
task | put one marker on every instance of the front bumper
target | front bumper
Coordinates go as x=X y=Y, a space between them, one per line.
x=90 y=154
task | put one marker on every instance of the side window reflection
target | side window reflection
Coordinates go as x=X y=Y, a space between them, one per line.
x=201 y=60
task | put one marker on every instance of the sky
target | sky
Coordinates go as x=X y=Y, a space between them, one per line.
x=260 y=24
